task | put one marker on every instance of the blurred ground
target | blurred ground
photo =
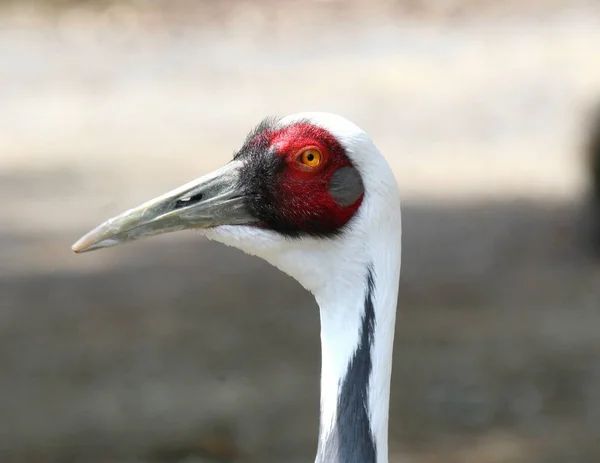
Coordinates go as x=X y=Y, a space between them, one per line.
x=176 y=350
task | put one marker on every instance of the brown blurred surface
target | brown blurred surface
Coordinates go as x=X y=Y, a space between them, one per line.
x=180 y=350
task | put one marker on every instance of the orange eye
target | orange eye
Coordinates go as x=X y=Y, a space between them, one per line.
x=310 y=158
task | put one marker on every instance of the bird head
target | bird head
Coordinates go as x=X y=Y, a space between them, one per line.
x=301 y=190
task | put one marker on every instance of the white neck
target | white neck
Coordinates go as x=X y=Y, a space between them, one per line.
x=355 y=374
x=358 y=311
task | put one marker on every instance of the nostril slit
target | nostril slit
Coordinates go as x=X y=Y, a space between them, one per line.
x=188 y=201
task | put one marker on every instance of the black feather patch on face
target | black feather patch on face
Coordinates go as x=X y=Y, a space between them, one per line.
x=259 y=175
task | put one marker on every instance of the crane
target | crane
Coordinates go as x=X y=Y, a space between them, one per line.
x=312 y=195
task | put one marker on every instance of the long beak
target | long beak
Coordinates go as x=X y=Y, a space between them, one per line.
x=212 y=200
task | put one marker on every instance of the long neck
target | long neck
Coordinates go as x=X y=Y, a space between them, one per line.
x=357 y=334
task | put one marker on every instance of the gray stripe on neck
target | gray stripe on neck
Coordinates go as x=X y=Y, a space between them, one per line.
x=351 y=440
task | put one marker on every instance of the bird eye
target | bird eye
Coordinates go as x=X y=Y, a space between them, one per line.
x=310 y=158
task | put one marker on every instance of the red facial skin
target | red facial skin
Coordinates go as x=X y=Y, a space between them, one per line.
x=304 y=198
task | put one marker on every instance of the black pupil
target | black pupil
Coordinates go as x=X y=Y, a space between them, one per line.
x=310 y=157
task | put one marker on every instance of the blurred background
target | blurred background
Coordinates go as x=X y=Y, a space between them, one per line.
x=175 y=350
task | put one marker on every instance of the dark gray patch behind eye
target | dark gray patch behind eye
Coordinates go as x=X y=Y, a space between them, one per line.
x=346 y=186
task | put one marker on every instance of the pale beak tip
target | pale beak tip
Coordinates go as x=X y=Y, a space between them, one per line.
x=79 y=246
x=88 y=242
x=96 y=239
